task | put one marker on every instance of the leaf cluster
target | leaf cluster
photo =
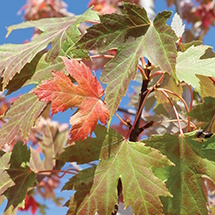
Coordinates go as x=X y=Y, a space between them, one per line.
x=162 y=174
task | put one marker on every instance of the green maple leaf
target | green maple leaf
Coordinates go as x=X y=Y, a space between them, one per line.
x=190 y=63
x=5 y=181
x=26 y=73
x=43 y=70
x=54 y=30
x=207 y=86
x=22 y=117
x=204 y=111
x=133 y=36
x=193 y=160
x=20 y=174
x=116 y=29
x=133 y=163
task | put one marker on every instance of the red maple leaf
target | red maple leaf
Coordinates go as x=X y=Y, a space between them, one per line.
x=86 y=96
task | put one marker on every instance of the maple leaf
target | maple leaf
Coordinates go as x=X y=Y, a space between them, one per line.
x=20 y=79
x=22 y=117
x=189 y=64
x=177 y=25
x=170 y=84
x=193 y=160
x=131 y=162
x=64 y=94
x=43 y=70
x=204 y=111
x=116 y=29
x=5 y=181
x=54 y=30
x=132 y=41
x=20 y=174
x=207 y=86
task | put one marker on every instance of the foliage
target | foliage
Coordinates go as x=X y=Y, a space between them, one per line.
x=159 y=164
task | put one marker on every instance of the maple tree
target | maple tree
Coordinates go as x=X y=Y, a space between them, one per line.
x=158 y=160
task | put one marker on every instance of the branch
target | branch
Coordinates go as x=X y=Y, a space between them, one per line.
x=134 y=131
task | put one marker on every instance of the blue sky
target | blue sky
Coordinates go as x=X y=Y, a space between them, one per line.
x=8 y=16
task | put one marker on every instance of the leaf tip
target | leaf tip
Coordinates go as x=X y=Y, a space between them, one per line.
x=9 y=30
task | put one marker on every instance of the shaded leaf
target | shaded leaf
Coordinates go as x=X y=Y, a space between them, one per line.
x=22 y=116
x=54 y=30
x=43 y=70
x=115 y=29
x=193 y=160
x=64 y=94
x=184 y=46
x=133 y=164
x=204 y=112
x=207 y=86
x=20 y=174
x=190 y=64
x=170 y=84
x=20 y=79
x=92 y=149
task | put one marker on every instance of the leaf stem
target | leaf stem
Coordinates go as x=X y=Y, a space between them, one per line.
x=191 y=104
x=156 y=74
x=174 y=108
x=69 y=171
x=185 y=104
x=125 y=123
x=108 y=56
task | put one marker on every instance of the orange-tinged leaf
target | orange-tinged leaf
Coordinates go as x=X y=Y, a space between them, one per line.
x=85 y=95
x=85 y=120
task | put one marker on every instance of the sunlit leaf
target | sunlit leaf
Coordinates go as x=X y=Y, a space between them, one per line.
x=133 y=164
x=64 y=94
x=130 y=35
x=190 y=64
x=54 y=30
x=20 y=79
x=21 y=116
x=5 y=181
x=177 y=25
